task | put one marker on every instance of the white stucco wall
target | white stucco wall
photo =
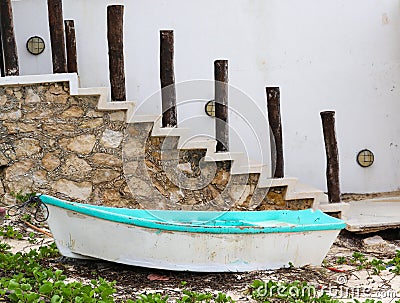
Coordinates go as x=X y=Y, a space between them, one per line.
x=334 y=54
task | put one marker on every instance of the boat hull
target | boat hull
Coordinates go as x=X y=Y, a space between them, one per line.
x=79 y=235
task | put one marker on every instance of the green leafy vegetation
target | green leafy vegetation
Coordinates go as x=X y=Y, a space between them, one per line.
x=32 y=238
x=341 y=260
x=193 y=296
x=24 y=279
x=359 y=260
x=22 y=197
x=4 y=247
x=26 y=218
x=395 y=262
x=150 y=298
x=8 y=232
x=188 y=296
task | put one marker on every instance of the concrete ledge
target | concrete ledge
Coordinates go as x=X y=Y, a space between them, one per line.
x=372 y=215
x=72 y=78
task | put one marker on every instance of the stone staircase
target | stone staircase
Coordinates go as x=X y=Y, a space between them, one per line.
x=195 y=177
x=164 y=168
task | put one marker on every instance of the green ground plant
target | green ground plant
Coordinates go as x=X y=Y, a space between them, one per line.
x=359 y=260
x=150 y=298
x=187 y=296
x=8 y=232
x=22 y=197
x=25 y=278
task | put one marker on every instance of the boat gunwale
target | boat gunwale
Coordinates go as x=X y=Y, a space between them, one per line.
x=105 y=213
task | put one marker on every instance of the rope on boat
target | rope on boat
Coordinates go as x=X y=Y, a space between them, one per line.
x=41 y=212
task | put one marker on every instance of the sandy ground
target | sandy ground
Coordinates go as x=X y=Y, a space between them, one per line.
x=341 y=281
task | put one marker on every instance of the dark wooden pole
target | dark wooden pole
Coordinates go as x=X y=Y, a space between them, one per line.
x=274 y=118
x=2 y=73
x=167 y=77
x=56 y=26
x=9 y=45
x=115 y=36
x=221 y=105
x=70 y=38
x=332 y=156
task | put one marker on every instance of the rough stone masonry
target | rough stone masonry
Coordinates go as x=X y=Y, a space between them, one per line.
x=62 y=145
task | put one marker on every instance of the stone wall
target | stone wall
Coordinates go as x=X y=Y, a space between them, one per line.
x=62 y=145
x=221 y=189
x=54 y=143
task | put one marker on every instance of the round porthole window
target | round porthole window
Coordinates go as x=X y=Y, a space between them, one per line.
x=365 y=158
x=35 y=45
x=210 y=108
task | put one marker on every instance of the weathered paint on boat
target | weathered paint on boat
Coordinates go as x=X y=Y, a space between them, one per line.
x=192 y=241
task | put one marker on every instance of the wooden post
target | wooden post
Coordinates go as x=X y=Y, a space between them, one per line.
x=167 y=77
x=70 y=39
x=332 y=156
x=56 y=26
x=2 y=73
x=221 y=105
x=115 y=36
x=274 y=118
x=9 y=45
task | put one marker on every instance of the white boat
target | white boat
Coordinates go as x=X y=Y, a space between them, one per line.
x=201 y=241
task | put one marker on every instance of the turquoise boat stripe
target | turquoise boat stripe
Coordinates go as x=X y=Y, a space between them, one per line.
x=230 y=222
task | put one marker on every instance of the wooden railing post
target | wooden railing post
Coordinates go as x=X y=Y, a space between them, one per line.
x=9 y=45
x=2 y=67
x=274 y=118
x=332 y=156
x=167 y=77
x=70 y=38
x=115 y=36
x=221 y=105
x=56 y=26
